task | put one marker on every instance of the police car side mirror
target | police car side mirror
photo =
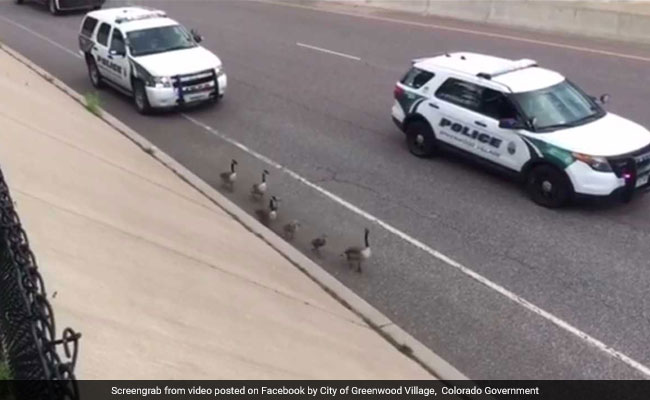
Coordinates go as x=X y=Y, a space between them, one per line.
x=510 y=123
x=604 y=99
x=197 y=38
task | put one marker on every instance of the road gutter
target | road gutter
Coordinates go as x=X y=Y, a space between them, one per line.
x=396 y=336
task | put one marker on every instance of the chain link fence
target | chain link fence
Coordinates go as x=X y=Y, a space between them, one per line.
x=27 y=331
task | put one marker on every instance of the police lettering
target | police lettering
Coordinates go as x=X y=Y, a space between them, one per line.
x=474 y=134
x=110 y=65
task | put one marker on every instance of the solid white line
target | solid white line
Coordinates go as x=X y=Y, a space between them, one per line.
x=336 y=53
x=467 y=31
x=477 y=277
x=436 y=254
x=38 y=35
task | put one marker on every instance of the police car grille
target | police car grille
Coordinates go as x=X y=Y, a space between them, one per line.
x=638 y=160
x=198 y=78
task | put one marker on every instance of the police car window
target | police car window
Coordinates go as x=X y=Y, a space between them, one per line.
x=89 y=26
x=416 y=78
x=117 y=42
x=159 y=40
x=461 y=93
x=102 y=35
x=494 y=104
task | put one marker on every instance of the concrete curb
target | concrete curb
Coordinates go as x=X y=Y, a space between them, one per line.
x=373 y=317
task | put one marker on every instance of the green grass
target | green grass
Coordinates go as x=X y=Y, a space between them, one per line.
x=93 y=103
x=5 y=373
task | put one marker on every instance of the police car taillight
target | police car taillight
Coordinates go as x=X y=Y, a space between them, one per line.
x=398 y=91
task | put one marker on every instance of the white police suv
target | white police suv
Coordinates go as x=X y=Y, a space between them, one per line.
x=523 y=119
x=145 y=54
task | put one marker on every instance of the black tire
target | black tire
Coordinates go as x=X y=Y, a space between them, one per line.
x=93 y=73
x=548 y=186
x=420 y=139
x=52 y=7
x=140 y=98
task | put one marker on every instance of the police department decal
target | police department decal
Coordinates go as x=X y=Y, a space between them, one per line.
x=512 y=147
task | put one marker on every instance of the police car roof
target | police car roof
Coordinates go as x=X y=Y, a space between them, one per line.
x=133 y=18
x=517 y=75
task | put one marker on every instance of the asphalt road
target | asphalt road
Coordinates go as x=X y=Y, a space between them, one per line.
x=326 y=117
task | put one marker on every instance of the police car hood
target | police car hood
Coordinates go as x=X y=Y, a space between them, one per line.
x=610 y=135
x=179 y=62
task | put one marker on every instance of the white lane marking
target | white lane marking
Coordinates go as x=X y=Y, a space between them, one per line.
x=38 y=35
x=336 y=53
x=436 y=254
x=467 y=31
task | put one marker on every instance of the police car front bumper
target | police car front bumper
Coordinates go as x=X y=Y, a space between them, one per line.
x=169 y=97
x=588 y=183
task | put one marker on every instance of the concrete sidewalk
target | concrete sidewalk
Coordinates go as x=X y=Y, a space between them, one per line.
x=161 y=282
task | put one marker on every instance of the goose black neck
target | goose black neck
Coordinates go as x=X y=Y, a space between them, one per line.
x=264 y=177
x=367 y=242
x=232 y=167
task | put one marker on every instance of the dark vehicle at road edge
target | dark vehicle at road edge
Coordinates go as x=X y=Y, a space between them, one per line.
x=56 y=6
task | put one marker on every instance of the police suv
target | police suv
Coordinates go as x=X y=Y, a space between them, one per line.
x=524 y=119
x=142 y=53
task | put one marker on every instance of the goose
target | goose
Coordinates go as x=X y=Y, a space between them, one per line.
x=259 y=189
x=270 y=214
x=228 y=178
x=358 y=254
x=317 y=243
x=290 y=229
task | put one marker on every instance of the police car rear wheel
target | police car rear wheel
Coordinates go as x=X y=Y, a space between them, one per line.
x=140 y=98
x=54 y=9
x=548 y=187
x=420 y=138
x=93 y=74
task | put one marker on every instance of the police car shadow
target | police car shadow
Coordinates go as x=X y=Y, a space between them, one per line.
x=471 y=166
x=597 y=204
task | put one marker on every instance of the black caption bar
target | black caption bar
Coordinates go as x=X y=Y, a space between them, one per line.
x=334 y=390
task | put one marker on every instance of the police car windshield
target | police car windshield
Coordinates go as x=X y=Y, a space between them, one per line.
x=159 y=40
x=559 y=106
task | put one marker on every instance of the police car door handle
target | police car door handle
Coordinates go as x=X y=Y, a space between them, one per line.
x=479 y=123
x=433 y=105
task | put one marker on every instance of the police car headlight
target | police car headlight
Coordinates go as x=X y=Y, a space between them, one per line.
x=596 y=163
x=161 y=82
x=219 y=70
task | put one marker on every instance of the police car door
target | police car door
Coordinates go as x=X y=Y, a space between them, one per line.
x=506 y=146
x=457 y=120
x=118 y=59
x=100 y=50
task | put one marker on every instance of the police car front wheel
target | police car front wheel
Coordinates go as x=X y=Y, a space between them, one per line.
x=420 y=139
x=548 y=187
x=140 y=97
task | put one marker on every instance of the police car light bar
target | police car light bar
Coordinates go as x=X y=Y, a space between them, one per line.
x=420 y=59
x=151 y=14
x=515 y=66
